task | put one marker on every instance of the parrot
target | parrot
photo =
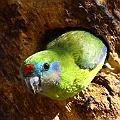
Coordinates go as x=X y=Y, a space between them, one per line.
x=66 y=66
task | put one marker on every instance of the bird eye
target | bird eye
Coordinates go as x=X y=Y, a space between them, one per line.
x=45 y=66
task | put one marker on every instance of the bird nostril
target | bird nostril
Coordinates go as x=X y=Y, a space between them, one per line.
x=27 y=68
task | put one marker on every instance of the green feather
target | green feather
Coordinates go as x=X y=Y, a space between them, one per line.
x=82 y=45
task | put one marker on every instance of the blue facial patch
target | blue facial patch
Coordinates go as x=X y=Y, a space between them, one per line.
x=56 y=66
x=38 y=67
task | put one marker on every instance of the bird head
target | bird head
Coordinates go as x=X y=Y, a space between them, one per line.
x=40 y=73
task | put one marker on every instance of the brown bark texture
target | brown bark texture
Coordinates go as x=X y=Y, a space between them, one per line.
x=26 y=26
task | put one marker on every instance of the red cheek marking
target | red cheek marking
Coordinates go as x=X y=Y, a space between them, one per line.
x=27 y=68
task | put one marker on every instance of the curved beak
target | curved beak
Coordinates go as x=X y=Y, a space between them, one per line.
x=34 y=83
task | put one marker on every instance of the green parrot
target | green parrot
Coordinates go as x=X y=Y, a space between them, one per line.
x=66 y=67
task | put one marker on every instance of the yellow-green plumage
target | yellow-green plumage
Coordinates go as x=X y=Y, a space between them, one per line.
x=80 y=56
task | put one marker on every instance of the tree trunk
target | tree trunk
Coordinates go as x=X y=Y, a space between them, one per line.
x=26 y=27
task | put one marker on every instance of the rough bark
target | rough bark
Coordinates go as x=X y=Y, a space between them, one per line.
x=26 y=27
